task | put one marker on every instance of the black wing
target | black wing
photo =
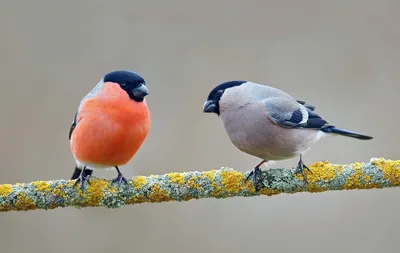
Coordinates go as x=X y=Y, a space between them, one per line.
x=314 y=121
x=73 y=126
x=288 y=116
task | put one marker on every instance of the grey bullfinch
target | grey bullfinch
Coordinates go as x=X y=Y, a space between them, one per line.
x=267 y=123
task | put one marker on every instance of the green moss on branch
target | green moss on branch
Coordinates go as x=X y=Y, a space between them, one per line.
x=223 y=183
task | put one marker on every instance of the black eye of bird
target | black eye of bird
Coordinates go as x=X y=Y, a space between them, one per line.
x=219 y=92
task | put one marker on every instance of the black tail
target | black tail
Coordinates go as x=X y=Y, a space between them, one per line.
x=334 y=130
x=77 y=172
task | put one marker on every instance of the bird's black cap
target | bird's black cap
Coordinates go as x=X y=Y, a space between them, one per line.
x=130 y=82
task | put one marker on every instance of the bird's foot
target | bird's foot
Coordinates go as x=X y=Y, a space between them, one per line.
x=82 y=179
x=255 y=176
x=119 y=179
x=300 y=169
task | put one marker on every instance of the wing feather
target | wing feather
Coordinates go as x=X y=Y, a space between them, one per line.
x=294 y=115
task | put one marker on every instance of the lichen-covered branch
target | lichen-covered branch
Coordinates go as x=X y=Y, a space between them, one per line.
x=378 y=173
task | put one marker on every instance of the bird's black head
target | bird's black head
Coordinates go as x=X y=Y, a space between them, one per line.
x=130 y=82
x=212 y=103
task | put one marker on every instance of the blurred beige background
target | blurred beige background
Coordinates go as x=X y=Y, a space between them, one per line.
x=341 y=56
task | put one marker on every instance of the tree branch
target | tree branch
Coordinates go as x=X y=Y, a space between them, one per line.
x=224 y=183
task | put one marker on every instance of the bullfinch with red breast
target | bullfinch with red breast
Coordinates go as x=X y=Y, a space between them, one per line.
x=110 y=125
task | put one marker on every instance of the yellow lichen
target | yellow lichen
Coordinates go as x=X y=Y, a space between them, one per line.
x=158 y=195
x=217 y=190
x=249 y=185
x=339 y=169
x=42 y=186
x=95 y=192
x=139 y=181
x=358 y=180
x=368 y=184
x=354 y=181
x=5 y=189
x=112 y=189
x=23 y=203
x=71 y=183
x=209 y=174
x=225 y=183
x=321 y=171
x=136 y=200
x=315 y=188
x=188 y=197
x=176 y=178
x=390 y=169
x=7 y=207
x=192 y=183
x=52 y=206
x=232 y=181
x=367 y=178
x=58 y=191
x=269 y=192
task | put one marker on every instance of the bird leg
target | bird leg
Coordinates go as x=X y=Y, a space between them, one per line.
x=82 y=179
x=300 y=168
x=255 y=174
x=120 y=178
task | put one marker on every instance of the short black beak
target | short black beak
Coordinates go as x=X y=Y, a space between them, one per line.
x=209 y=106
x=140 y=91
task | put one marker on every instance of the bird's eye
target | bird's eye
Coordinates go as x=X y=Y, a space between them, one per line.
x=123 y=84
x=219 y=92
